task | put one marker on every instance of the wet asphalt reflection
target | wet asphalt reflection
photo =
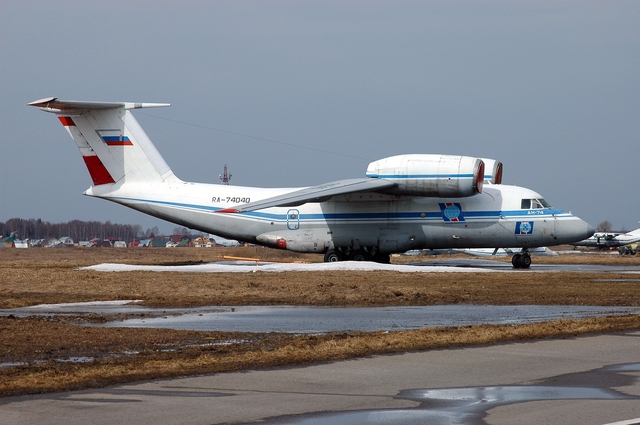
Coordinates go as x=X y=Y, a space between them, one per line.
x=303 y=320
x=307 y=320
x=469 y=406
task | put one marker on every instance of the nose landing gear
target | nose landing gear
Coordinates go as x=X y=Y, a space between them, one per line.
x=521 y=260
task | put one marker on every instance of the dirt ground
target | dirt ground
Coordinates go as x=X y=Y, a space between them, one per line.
x=42 y=354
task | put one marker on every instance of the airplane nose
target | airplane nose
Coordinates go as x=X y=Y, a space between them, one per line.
x=573 y=230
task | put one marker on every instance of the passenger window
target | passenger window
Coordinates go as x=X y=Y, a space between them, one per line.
x=526 y=204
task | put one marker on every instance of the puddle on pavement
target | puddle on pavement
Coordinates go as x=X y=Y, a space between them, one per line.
x=300 y=320
x=469 y=406
x=367 y=319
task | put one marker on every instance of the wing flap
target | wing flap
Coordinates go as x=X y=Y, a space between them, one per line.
x=314 y=194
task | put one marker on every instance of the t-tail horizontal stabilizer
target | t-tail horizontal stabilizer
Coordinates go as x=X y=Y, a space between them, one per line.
x=52 y=104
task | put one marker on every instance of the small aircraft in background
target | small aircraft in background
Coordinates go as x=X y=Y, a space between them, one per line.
x=404 y=202
x=606 y=240
x=219 y=240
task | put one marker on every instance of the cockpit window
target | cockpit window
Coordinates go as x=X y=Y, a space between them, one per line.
x=544 y=203
x=534 y=204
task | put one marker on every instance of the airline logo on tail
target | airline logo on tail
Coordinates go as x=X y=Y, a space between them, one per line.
x=114 y=138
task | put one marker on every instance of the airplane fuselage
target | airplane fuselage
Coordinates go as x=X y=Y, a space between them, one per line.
x=390 y=223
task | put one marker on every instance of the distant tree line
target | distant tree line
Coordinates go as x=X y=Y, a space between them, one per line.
x=606 y=226
x=76 y=229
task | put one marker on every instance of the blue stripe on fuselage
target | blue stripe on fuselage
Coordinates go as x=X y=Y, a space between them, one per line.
x=372 y=216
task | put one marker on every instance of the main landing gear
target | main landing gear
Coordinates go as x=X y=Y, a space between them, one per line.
x=521 y=260
x=334 y=255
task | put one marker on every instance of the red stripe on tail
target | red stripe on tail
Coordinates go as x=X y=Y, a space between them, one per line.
x=97 y=170
x=67 y=121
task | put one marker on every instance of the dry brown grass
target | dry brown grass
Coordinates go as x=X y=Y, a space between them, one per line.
x=271 y=351
x=50 y=276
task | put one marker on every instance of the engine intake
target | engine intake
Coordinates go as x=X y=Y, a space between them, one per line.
x=492 y=171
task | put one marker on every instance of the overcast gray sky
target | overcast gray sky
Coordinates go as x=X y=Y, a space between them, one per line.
x=550 y=88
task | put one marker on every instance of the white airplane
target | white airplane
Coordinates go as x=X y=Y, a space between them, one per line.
x=405 y=202
x=605 y=240
x=219 y=240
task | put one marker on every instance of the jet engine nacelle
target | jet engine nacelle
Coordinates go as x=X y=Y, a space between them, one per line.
x=443 y=176
x=492 y=171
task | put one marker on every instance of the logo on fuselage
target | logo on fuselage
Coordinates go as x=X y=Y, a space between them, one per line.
x=524 y=227
x=451 y=212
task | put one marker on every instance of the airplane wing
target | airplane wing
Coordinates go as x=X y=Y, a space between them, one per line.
x=315 y=194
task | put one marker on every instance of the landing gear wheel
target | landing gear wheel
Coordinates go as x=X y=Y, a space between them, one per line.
x=333 y=255
x=521 y=261
x=359 y=255
x=524 y=261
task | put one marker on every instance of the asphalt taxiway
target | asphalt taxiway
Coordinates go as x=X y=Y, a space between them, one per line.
x=591 y=380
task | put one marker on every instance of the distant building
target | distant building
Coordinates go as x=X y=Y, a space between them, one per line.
x=158 y=243
x=144 y=243
x=21 y=243
x=63 y=242
x=9 y=242
x=12 y=242
x=180 y=240
x=203 y=242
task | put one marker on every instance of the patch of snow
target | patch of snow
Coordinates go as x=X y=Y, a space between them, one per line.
x=85 y=304
x=246 y=266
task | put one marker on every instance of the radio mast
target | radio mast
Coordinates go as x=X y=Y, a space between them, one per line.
x=225 y=176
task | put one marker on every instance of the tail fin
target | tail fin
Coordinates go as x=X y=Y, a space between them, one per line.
x=113 y=145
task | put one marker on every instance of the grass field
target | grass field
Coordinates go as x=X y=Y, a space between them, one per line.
x=32 y=349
